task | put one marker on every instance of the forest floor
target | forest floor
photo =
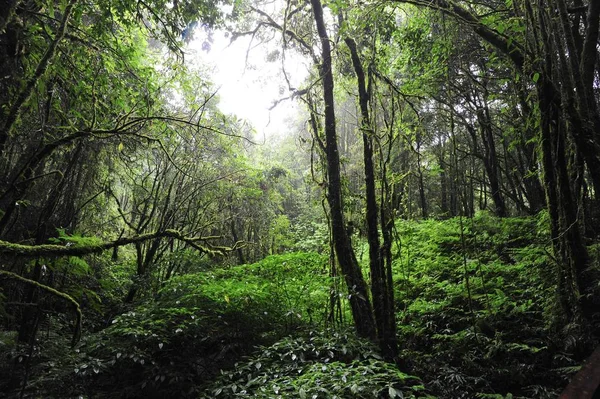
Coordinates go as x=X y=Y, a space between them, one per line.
x=475 y=319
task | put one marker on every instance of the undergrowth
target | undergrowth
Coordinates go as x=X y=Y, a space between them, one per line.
x=196 y=324
x=475 y=319
x=320 y=364
x=475 y=309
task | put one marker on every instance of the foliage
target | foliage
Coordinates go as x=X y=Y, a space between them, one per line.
x=488 y=337
x=310 y=235
x=472 y=106
x=475 y=314
x=320 y=364
x=196 y=324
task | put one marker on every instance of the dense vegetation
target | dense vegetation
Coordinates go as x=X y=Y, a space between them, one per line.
x=426 y=228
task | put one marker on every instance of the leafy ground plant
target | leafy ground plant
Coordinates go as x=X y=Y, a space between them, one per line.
x=197 y=324
x=475 y=315
x=321 y=364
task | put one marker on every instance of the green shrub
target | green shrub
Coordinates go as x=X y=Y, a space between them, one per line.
x=474 y=308
x=326 y=364
x=197 y=324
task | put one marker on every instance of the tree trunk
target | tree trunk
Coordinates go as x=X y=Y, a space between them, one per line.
x=573 y=284
x=359 y=299
x=530 y=170
x=490 y=161
x=383 y=309
x=239 y=252
x=28 y=325
x=443 y=185
x=420 y=177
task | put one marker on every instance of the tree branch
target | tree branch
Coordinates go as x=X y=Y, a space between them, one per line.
x=15 y=109
x=66 y=297
x=271 y=22
x=509 y=47
x=54 y=250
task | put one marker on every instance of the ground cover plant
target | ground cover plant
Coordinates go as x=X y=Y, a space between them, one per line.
x=316 y=364
x=475 y=319
x=481 y=302
x=195 y=325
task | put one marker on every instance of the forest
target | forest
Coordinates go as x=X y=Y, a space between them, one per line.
x=425 y=225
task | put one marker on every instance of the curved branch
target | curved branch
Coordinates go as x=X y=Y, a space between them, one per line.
x=15 y=109
x=66 y=297
x=271 y=22
x=506 y=45
x=54 y=250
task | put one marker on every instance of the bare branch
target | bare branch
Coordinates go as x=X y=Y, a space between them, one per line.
x=271 y=22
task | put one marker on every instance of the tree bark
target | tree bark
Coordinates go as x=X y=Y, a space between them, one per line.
x=490 y=161
x=359 y=299
x=53 y=250
x=421 y=181
x=443 y=188
x=383 y=309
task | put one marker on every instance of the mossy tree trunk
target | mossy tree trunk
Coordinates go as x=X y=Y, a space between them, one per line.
x=382 y=307
x=358 y=294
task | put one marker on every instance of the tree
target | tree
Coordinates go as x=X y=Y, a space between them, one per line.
x=383 y=306
x=359 y=299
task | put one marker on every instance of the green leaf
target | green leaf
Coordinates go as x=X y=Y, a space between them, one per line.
x=395 y=393
x=536 y=77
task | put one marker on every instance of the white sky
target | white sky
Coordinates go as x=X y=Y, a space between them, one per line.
x=249 y=88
